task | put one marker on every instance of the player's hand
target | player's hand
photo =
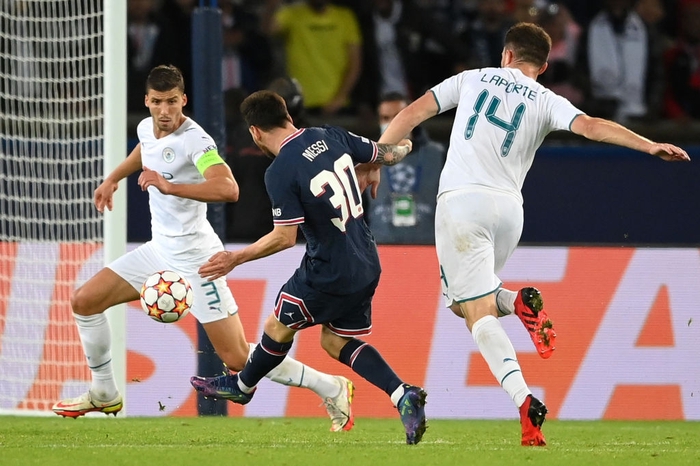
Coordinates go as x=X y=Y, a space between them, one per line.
x=218 y=265
x=150 y=177
x=368 y=174
x=104 y=194
x=406 y=142
x=669 y=153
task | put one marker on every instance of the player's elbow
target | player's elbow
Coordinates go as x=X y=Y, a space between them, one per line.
x=232 y=192
x=289 y=241
x=285 y=236
x=588 y=127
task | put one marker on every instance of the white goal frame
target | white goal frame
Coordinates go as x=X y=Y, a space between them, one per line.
x=114 y=240
x=115 y=138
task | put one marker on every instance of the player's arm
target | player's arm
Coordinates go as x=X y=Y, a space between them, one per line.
x=104 y=193
x=368 y=174
x=219 y=185
x=416 y=113
x=391 y=154
x=220 y=264
x=602 y=130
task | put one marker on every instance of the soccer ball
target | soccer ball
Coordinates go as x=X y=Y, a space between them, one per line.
x=166 y=296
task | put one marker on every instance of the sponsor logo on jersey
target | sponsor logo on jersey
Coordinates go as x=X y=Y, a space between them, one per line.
x=168 y=155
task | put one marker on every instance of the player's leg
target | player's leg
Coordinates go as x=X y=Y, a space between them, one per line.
x=338 y=338
x=268 y=354
x=215 y=307
x=470 y=283
x=527 y=302
x=228 y=338
x=118 y=283
x=89 y=302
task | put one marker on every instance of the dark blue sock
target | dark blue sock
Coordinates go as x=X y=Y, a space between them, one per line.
x=266 y=356
x=369 y=364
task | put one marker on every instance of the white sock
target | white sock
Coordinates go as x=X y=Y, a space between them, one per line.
x=498 y=351
x=293 y=373
x=96 y=338
x=505 y=301
x=396 y=396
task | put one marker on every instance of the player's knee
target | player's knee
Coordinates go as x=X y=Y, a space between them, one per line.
x=332 y=343
x=80 y=302
x=457 y=310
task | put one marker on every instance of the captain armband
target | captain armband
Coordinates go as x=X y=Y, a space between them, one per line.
x=210 y=157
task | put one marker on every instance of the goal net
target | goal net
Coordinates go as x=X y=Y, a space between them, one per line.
x=51 y=161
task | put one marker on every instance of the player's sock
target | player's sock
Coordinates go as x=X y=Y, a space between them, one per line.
x=369 y=364
x=498 y=351
x=397 y=394
x=267 y=355
x=96 y=339
x=293 y=373
x=505 y=301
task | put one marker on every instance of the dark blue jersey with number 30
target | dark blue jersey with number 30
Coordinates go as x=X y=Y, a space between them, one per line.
x=312 y=183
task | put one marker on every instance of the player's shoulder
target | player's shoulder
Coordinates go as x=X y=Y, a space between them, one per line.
x=144 y=128
x=193 y=134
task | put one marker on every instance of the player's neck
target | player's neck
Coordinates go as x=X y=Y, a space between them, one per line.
x=278 y=135
x=527 y=69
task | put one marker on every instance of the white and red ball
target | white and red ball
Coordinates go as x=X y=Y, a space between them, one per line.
x=166 y=296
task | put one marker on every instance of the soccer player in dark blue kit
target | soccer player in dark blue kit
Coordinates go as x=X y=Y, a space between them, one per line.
x=313 y=185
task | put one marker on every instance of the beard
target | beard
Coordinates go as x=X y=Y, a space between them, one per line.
x=265 y=150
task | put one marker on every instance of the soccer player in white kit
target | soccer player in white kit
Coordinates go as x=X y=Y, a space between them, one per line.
x=502 y=117
x=182 y=171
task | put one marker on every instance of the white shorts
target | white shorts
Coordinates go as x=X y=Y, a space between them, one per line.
x=212 y=300
x=476 y=231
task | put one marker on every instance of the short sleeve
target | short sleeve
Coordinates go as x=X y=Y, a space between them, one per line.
x=284 y=196
x=447 y=92
x=561 y=112
x=202 y=150
x=361 y=149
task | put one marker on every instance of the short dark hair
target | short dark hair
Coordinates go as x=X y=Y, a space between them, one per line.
x=529 y=43
x=163 y=78
x=393 y=96
x=265 y=110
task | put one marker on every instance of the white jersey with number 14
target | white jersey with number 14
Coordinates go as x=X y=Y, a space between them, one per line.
x=502 y=118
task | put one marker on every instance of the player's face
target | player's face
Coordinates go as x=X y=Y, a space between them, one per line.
x=166 y=108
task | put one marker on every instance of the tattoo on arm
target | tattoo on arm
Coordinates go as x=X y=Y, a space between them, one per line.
x=390 y=154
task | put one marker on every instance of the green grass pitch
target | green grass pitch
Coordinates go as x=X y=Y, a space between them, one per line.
x=304 y=441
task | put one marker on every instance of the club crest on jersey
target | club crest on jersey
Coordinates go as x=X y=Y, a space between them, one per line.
x=168 y=155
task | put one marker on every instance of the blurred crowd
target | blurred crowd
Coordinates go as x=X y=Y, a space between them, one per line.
x=621 y=59
x=364 y=60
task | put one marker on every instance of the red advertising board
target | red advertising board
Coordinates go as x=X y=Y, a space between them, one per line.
x=627 y=320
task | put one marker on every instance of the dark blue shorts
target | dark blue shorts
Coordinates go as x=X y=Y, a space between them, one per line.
x=299 y=306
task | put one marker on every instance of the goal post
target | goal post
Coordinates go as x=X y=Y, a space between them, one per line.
x=115 y=137
x=62 y=125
